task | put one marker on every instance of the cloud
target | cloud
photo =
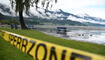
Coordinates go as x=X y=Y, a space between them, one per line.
x=5 y=2
x=78 y=3
x=92 y=7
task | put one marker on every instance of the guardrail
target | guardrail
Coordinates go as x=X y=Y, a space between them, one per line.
x=41 y=50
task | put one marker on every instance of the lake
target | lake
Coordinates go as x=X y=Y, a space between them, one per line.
x=81 y=33
x=93 y=36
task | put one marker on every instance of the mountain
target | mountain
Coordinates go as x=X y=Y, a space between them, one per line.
x=54 y=17
x=1 y=16
x=44 y=21
x=84 y=19
x=94 y=18
x=4 y=17
x=4 y=9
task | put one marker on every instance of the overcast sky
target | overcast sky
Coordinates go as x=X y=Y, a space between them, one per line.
x=92 y=7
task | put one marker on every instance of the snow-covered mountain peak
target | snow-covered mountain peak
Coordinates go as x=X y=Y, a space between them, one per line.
x=59 y=14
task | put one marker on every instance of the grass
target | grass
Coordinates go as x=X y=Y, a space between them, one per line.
x=89 y=47
x=8 y=52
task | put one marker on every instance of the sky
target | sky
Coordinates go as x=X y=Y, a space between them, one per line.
x=94 y=8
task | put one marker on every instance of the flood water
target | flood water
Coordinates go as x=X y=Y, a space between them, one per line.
x=93 y=36
x=77 y=33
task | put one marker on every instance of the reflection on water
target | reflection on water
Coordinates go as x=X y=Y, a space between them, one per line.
x=93 y=36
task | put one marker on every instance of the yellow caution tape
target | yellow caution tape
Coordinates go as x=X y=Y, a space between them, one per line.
x=41 y=50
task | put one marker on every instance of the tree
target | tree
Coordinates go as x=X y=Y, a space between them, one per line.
x=24 y=5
